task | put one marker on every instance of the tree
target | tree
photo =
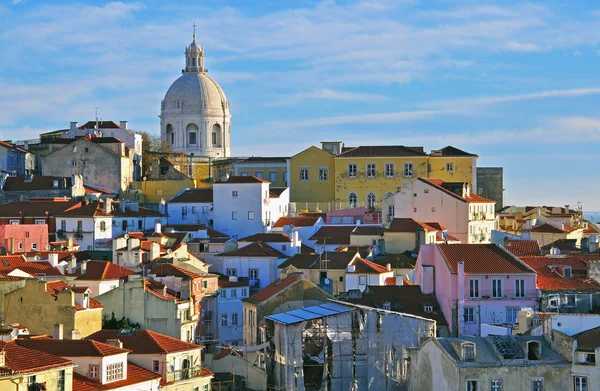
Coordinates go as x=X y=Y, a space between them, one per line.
x=152 y=145
x=114 y=324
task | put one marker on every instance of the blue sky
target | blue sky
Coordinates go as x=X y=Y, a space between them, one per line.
x=515 y=82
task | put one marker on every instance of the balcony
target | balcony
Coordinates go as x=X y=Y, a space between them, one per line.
x=485 y=295
x=184 y=374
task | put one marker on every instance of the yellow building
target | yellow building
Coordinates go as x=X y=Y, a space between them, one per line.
x=363 y=176
x=312 y=174
x=272 y=169
x=151 y=192
x=41 y=305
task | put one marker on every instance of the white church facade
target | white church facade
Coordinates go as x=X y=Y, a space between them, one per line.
x=194 y=115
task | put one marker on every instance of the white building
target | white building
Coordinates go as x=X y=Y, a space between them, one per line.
x=230 y=327
x=466 y=215
x=361 y=273
x=100 y=276
x=88 y=224
x=194 y=116
x=305 y=226
x=191 y=206
x=287 y=244
x=128 y=216
x=245 y=205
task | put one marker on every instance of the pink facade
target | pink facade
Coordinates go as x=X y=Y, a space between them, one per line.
x=469 y=300
x=352 y=215
x=19 y=238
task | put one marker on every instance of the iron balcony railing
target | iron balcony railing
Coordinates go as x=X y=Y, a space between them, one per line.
x=183 y=374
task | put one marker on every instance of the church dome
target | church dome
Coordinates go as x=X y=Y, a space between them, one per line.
x=195 y=93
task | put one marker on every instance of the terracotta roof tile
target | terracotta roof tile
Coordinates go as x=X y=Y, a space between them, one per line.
x=274 y=237
x=368 y=230
x=193 y=196
x=103 y=270
x=436 y=225
x=20 y=359
x=9 y=263
x=363 y=266
x=135 y=375
x=439 y=184
x=144 y=341
x=254 y=249
x=589 y=340
x=451 y=151
x=168 y=269
x=521 y=248
x=333 y=234
x=482 y=259
x=275 y=287
x=408 y=224
x=72 y=347
x=333 y=260
x=35 y=208
x=548 y=228
x=566 y=245
x=382 y=151
x=245 y=179
x=299 y=221
x=550 y=273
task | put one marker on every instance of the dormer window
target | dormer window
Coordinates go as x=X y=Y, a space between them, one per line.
x=567 y=272
x=428 y=308
x=387 y=306
x=468 y=351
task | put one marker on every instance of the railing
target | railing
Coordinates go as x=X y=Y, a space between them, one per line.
x=488 y=295
x=78 y=234
x=300 y=207
x=183 y=374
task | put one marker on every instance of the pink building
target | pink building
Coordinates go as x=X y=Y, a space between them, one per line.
x=19 y=238
x=476 y=284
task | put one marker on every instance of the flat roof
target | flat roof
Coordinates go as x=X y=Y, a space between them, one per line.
x=309 y=313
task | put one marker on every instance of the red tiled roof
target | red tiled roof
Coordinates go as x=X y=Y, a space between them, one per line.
x=588 y=341
x=382 y=151
x=482 y=259
x=92 y=189
x=168 y=269
x=245 y=179
x=204 y=195
x=275 y=237
x=299 y=221
x=35 y=208
x=549 y=273
x=144 y=341
x=9 y=263
x=135 y=375
x=549 y=228
x=408 y=224
x=521 y=248
x=23 y=360
x=103 y=270
x=436 y=225
x=254 y=249
x=275 y=287
x=72 y=347
x=364 y=266
x=153 y=288
x=473 y=197
x=333 y=234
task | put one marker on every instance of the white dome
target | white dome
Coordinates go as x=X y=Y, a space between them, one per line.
x=195 y=93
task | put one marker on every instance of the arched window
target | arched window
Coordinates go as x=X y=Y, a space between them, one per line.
x=352 y=200
x=192 y=131
x=170 y=134
x=371 y=200
x=216 y=135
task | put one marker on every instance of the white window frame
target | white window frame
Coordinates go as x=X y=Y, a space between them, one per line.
x=231 y=272
x=352 y=170
x=353 y=204
x=34 y=246
x=581 y=386
x=516 y=312
x=450 y=167
x=538 y=379
x=94 y=371
x=205 y=210
x=363 y=278
x=155 y=366
x=114 y=372
x=474 y=286
x=472 y=385
x=323 y=173
x=497 y=288
x=234 y=215
x=390 y=170
x=13 y=222
x=234 y=194
x=251 y=215
x=224 y=320
x=496 y=385
x=40 y=222
x=519 y=287
x=304 y=173
x=253 y=274
x=469 y=311
x=408 y=170
x=371 y=170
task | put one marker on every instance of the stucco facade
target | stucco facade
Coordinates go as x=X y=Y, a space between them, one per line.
x=19 y=382
x=311 y=188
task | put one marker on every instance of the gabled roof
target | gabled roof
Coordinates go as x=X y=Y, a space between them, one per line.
x=436 y=225
x=168 y=269
x=36 y=207
x=549 y=228
x=333 y=234
x=254 y=249
x=330 y=260
x=275 y=288
x=566 y=245
x=103 y=270
x=20 y=359
x=299 y=221
x=368 y=230
x=101 y=125
x=273 y=237
x=55 y=286
x=262 y=159
x=135 y=375
x=72 y=347
x=408 y=225
x=550 y=273
x=244 y=180
x=144 y=341
x=482 y=259
x=382 y=151
x=521 y=248
x=193 y=196
x=18 y=183
x=363 y=266
x=451 y=151
x=9 y=263
x=439 y=185
x=588 y=341
x=212 y=233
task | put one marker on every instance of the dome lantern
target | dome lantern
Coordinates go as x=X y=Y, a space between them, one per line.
x=194 y=57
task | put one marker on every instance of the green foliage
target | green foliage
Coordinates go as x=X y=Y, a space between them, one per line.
x=114 y=324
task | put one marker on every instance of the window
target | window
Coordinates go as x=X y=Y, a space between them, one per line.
x=231 y=272
x=223 y=294
x=496 y=385
x=233 y=215
x=40 y=222
x=205 y=210
x=511 y=315
x=184 y=212
x=391 y=212
x=251 y=215
x=60 y=386
x=408 y=170
x=433 y=209
x=341 y=278
x=304 y=174
x=233 y=293
x=580 y=383
x=323 y=173
x=496 y=288
x=352 y=200
x=253 y=274
x=244 y=292
x=469 y=314
x=224 y=320
x=13 y=222
x=537 y=384
x=272 y=176
x=352 y=170
x=570 y=300
x=371 y=170
x=93 y=371
x=155 y=366
x=205 y=387
x=140 y=224
x=590 y=358
x=519 y=287
x=472 y=385
x=234 y=319
x=205 y=284
x=234 y=194
x=371 y=200
x=114 y=371
x=473 y=289
x=390 y=170
x=428 y=308
x=259 y=174
x=31 y=380
x=362 y=280
x=243 y=173
x=192 y=138
x=124 y=225
x=194 y=210
x=20 y=246
x=450 y=167
x=387 y=306
x=567 y=272
x=468 y=351
x=34 y=246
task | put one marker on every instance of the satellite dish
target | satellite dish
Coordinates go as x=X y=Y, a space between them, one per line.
x=326 y=281
x=126 y=236
x=68 y=162
x=37 y=257
x=48 y=247
x=169 y=251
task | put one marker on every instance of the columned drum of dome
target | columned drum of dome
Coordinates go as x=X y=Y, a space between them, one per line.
x=194 y=115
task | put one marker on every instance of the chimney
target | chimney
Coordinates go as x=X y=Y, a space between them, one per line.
x=83 y=267
x=115 y=342
x=122 y=206
x=351 y=268
x=162 y=206
x=123 y=125
x=295 y=243
x=3 y=358
x=58 y=331
x=157 y=227
x=53 y=259
x=461 y=291
x=72 y=264
x=108 y=206
x=73 y=126
x=12 y=246
x=154 y=251
x=388 y=267
x=69 y=243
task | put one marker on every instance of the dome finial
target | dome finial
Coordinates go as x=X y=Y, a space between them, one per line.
x=194 y=26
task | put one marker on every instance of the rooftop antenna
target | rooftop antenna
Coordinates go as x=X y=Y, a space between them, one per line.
x=96 y=127
x=194 y=26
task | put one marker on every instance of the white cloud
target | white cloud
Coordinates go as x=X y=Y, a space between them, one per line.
x=327 y=94
x=523 y=47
